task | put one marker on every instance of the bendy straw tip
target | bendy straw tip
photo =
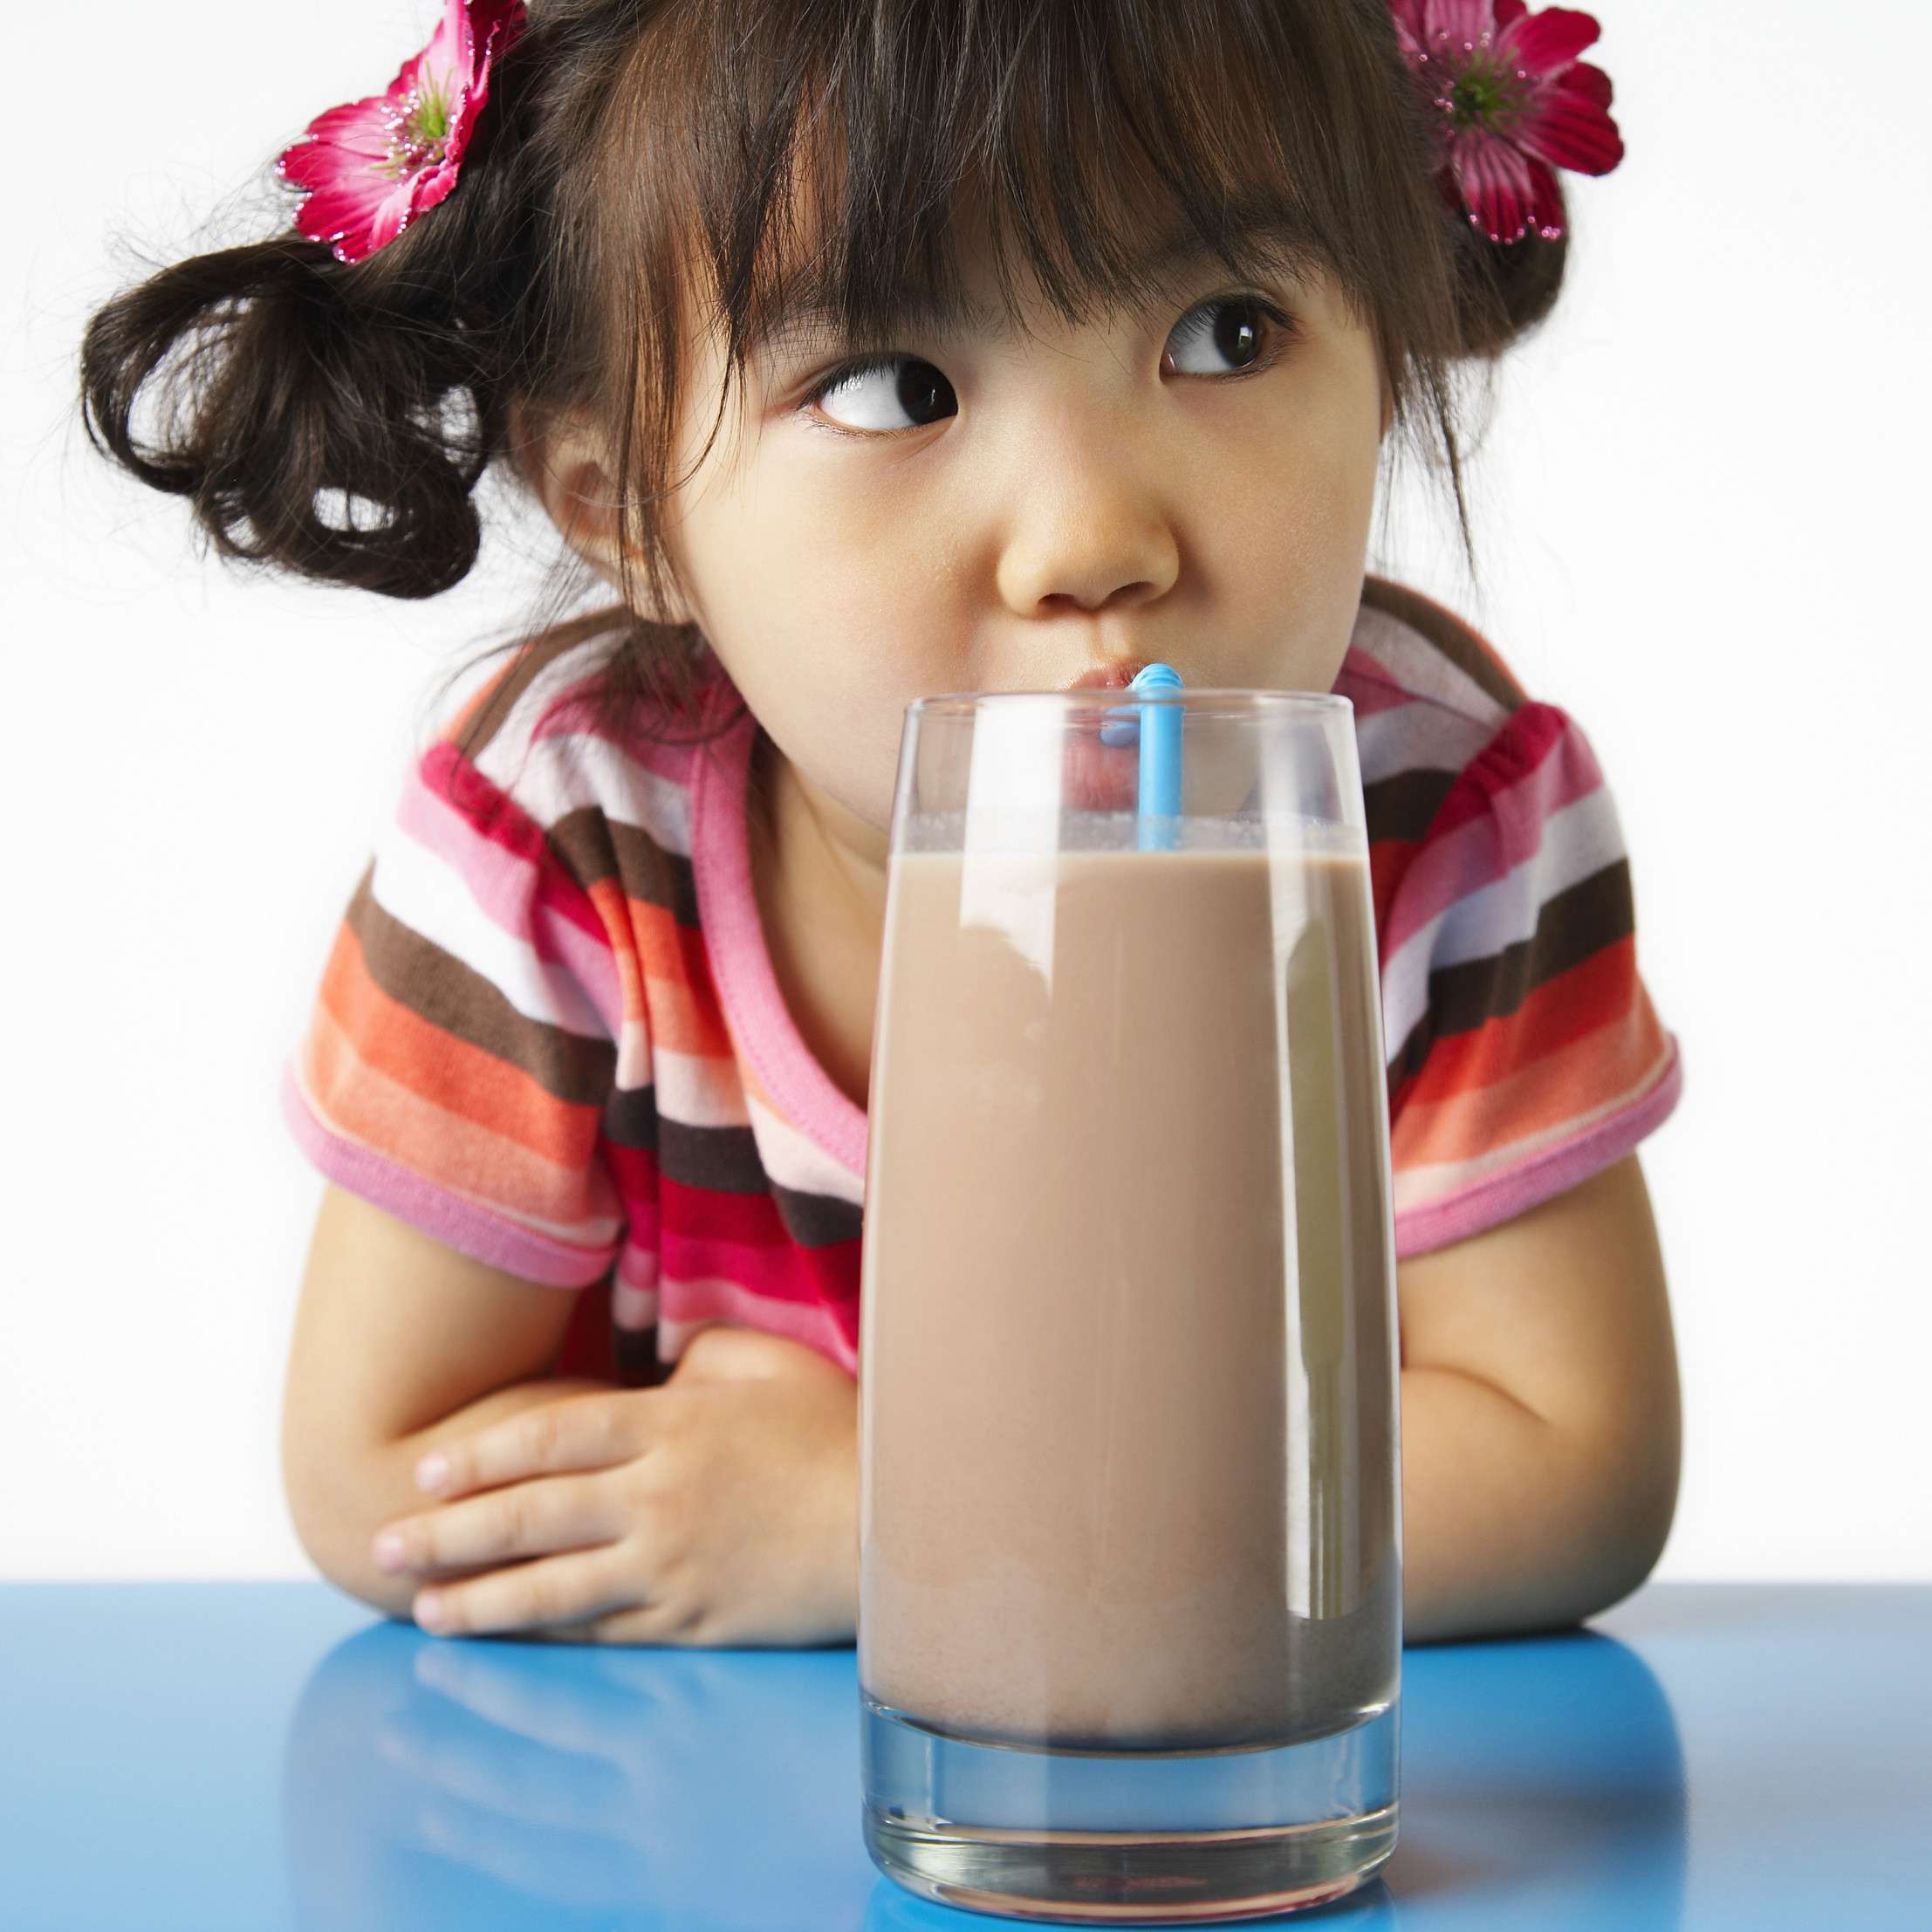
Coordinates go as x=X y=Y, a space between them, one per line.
x=1159 y=803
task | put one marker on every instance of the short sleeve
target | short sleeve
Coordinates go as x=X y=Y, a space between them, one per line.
x=455 y=1066
x=1524 y=1053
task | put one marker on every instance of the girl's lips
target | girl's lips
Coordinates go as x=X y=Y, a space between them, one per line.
x=1115 y=677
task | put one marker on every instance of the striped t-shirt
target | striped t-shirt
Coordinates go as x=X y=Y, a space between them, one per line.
x=549 y=1032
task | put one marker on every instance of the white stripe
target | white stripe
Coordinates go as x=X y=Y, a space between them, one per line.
x=427 y=895
x=632 y=1308
x=736 y=1306
x=1420 y=666
x=1581 y=838
x=499 y=759
x=1414 y=736
x=699 y=1091
x=634 y=1055
x=567 y=771
x=793 y=1161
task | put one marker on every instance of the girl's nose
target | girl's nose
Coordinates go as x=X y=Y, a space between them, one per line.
x=1091 y=538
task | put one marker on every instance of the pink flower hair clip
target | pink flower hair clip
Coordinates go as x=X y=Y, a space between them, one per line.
x=369 y=168
x=1514 y=102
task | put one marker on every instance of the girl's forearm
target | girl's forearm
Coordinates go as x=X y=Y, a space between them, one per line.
x=383 y=1487
x=1509 y=1523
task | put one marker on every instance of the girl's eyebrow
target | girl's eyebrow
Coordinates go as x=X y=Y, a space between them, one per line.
x=1277 y=235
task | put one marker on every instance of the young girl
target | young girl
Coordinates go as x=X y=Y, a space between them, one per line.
x=864 y=351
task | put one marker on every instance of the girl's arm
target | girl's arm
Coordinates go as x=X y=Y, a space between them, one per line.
x=1541 y=1414
x=401 y=1344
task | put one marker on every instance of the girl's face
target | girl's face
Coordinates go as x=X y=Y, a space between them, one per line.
x=1191 y=484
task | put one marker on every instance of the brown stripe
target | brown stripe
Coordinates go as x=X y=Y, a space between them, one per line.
x=1404 y=805
x=723 y=1159
x=1461 y=644
x=595 y=847
x=630 y=1118
x=818 y=1220
x=1594 y=913
x=634 y=1351
x=529 y=657
x=442 y=990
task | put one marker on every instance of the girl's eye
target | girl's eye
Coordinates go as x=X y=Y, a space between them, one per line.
x=1237 y=327
x=874 y=396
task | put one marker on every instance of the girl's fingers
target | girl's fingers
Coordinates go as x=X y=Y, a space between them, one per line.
x=669 y=1622
x=576 y=1588
x=521 y=1519
x=577 y=1432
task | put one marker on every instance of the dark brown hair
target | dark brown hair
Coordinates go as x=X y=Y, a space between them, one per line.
x=335 y=420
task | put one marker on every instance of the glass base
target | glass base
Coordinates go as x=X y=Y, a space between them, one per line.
x=1125 y=1837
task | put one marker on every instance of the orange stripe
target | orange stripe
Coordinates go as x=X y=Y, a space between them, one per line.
x=445 y=1073
x=1590 y=995
x=1588 y=1073
x=653 y=950
x=354 y=1100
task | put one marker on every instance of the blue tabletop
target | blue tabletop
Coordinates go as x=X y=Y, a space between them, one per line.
x=274 y=1754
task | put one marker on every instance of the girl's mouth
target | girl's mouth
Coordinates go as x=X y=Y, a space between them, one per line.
x=1115 y=675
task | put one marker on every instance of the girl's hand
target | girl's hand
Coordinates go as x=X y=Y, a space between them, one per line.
x=720 y=1509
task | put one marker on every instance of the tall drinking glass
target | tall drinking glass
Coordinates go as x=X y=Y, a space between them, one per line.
x=1130 y=1622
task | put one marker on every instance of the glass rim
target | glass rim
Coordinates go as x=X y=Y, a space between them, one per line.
x=1222 y=698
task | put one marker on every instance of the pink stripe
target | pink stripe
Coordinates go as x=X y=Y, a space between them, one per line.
x=1367 y=685
x=762 y=1028
x=476 y=822
x=590 y=959
x=525 y=897
x=638 y=1267
x=686 y=1303
x=572 y=714
x=1501 y=1197
x=460 y=1224
x=1504 y=824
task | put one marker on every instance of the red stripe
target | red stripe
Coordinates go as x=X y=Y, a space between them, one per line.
x=635 y=1170
x=1388 y=860
x=1530 y=734
x=495 y=816
x=1591 y=994
x=778 y=1274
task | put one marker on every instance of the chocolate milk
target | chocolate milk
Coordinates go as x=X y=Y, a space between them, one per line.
x=1128 y=1283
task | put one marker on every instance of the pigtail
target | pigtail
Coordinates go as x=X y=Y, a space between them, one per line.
x=313 y=421
x=331 y=418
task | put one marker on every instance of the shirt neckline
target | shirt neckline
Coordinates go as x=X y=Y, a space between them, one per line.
x=761 y=1023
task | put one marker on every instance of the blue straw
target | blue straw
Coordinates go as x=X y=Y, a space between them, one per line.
x=1158 y=826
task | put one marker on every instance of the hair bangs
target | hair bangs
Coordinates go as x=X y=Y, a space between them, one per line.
x=1096 y=147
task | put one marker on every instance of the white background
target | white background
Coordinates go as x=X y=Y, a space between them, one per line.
x=1697 y=509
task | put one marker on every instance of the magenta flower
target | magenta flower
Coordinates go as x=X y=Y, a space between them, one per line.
x=370 y=168
x=1515 y=102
